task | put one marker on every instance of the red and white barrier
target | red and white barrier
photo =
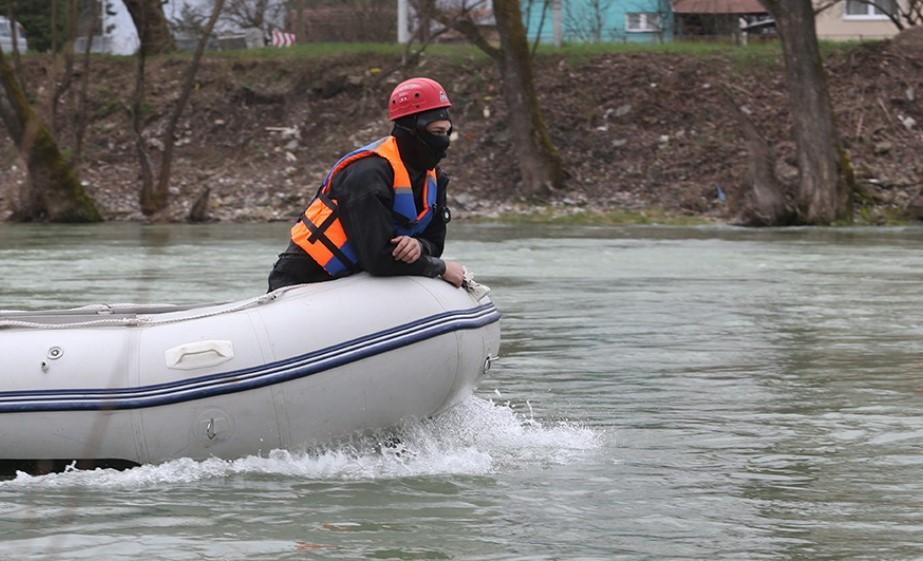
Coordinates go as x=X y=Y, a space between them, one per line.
x=282 y=39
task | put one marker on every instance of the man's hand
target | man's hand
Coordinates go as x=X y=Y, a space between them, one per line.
x=454 y=273
x=406 y=249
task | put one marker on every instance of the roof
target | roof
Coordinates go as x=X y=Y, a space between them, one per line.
x=718 y=7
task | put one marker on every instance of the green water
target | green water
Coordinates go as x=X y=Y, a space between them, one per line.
x=663 y=393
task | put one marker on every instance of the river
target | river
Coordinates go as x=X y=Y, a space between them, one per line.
x=662 y=394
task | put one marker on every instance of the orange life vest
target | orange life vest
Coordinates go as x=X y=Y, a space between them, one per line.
x=320 y=232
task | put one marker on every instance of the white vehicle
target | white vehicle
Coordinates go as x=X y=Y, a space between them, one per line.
x=6 y=36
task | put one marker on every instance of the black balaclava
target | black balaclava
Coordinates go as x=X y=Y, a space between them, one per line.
x=420 y=149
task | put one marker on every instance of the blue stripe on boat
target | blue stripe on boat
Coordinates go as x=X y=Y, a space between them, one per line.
x=249 y=378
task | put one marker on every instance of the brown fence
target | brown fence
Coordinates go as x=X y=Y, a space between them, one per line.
x=347 y=21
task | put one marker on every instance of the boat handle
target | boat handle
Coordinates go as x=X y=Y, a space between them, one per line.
x=199 y=354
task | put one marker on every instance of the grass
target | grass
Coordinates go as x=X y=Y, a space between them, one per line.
x=694 y=48
x=757 y=53
x=763 y=51
x=869 y=215
x=324 y=50
x=465 y=50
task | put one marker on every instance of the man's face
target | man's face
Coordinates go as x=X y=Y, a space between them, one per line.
x=439 y=128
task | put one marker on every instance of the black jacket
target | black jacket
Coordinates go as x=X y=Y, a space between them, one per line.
x=364 y=194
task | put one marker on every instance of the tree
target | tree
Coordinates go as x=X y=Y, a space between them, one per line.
x=265 y=15
x=543 y=9
x=904 y=14
x=153 y=196
x=299 y=21
x=825 y=184
x=63 y=76
x=80 y=116
x=54 y=191
x=587 y=20
x=36 y=18
x=151 y=23
x=539 y=162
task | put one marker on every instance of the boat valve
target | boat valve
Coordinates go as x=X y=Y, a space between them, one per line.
x=54 y=353
x=210 y=429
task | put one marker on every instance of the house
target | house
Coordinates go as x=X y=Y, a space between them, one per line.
x=588 y=21
x=115 y=32
x=714 y=19
x=851 y=20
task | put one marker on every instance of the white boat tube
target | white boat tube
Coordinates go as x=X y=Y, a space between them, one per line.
x=291 y=369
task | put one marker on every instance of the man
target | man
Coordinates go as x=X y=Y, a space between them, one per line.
x=381 y=208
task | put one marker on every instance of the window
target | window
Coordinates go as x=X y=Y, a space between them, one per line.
x=642 y=22
x=869 y=9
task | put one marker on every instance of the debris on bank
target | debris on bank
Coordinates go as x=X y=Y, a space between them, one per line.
x=638 y=131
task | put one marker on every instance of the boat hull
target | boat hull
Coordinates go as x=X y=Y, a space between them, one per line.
x=301 y=367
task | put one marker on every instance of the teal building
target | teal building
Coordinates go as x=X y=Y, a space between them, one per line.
x=593 y=21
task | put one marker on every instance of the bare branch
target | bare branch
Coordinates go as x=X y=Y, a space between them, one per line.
x=54 y=27
x=166 y=161
x=54 y=190
x=265 y=15
x=589 y=23
x=541 y=24
x=461 y=21
x=63 y=78
x=14 y=36
x=902 y=18
x=81 y=118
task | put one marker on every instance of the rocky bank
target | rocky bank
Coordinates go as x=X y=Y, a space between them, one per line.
x=642 y=133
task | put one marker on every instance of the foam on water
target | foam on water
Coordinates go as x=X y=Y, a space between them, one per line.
x=477 y=437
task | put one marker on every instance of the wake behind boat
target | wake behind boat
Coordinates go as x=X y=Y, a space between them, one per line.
x=290 y=369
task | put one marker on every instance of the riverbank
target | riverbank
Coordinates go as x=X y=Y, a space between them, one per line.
x=646 y=133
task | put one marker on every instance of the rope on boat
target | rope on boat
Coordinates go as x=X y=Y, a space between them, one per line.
x=477 y=291
x=142 y=320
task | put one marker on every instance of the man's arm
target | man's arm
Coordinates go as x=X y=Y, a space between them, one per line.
x=365 y=197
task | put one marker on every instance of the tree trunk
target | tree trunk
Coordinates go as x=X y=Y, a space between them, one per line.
x=825 y=176
x=80 y=118
x=14 y=41
x=151 y=24
x=62 y=79
x=146 y=193
x=539 y=162
x=199 y=210
x=54 y=192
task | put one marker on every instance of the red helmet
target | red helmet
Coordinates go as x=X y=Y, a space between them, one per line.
x=415 y=96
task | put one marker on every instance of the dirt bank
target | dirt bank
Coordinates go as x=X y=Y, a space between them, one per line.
x=639 y=131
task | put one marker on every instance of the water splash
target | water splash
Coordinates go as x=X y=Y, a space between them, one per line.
x=476 y=438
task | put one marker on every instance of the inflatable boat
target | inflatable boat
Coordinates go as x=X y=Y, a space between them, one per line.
x=291 y=369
